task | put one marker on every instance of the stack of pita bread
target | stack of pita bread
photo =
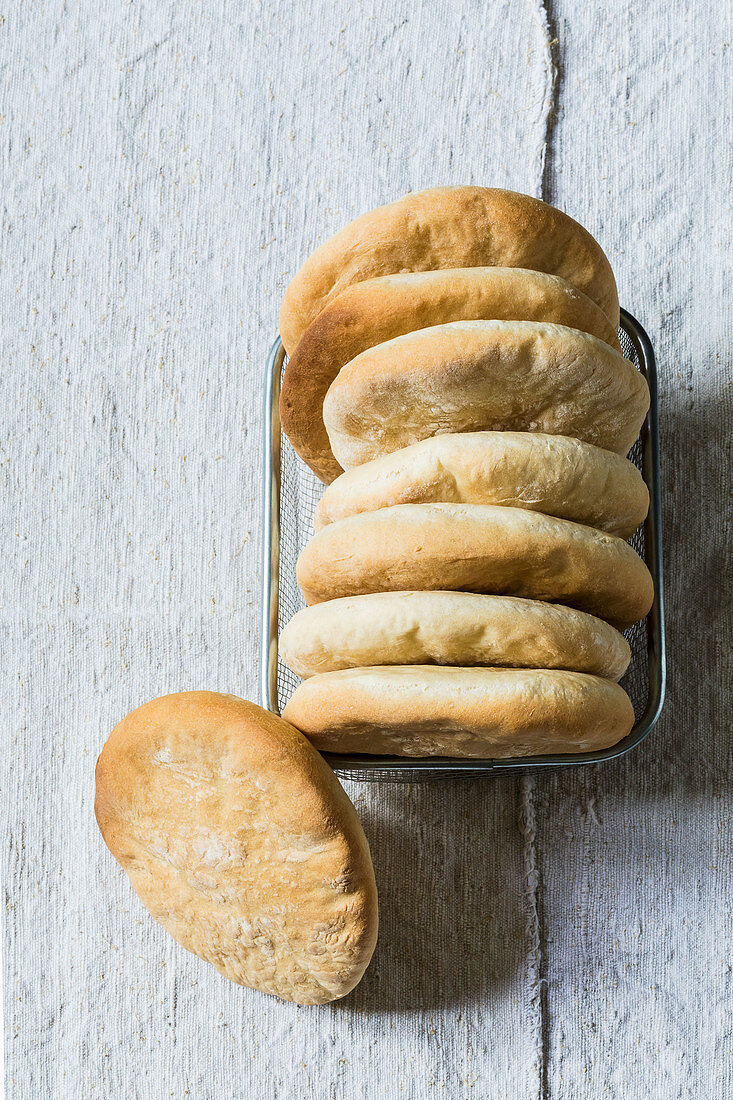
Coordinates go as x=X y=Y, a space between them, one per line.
x=456 y=380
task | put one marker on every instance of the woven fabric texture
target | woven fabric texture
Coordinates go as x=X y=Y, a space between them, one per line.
x=167 y=167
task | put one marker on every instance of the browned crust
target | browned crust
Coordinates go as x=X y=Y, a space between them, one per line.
x=449 y=227
x=381 y=309
x=477 y=548
x=174 y=755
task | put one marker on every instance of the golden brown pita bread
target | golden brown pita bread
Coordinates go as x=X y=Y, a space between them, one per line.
x=449 y=227
x=370 y=312
x=240 y=841
x=477 y=548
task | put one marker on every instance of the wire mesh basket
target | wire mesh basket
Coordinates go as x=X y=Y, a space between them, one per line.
x=291 y=494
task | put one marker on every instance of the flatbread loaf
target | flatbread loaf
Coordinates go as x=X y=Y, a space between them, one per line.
x=553 y=474
x=460 y=712
x=241 y=842
x=477 y=548
x=376 y=310
x=449 y=227
x=450 y=628
x=484 y=375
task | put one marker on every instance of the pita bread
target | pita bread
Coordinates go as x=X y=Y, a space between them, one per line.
x=477 y=548
x=376 y=310
x=449 y=227
x=240 y=841
x=450 y=628
x=553 y=474
x=460 y=712
x=484 y=375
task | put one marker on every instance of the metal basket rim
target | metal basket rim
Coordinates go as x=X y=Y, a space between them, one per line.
x=353 y=766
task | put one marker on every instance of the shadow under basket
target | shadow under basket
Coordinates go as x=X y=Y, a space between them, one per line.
x=291 y=492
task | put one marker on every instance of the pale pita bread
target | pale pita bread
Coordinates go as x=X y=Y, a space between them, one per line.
x=557 y=475
x=484 y=375
x=460 y=712
x=450 y=628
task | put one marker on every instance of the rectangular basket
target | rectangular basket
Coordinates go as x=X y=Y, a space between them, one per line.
x=291 y=494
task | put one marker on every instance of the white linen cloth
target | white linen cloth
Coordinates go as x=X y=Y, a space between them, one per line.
x=167 y=167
